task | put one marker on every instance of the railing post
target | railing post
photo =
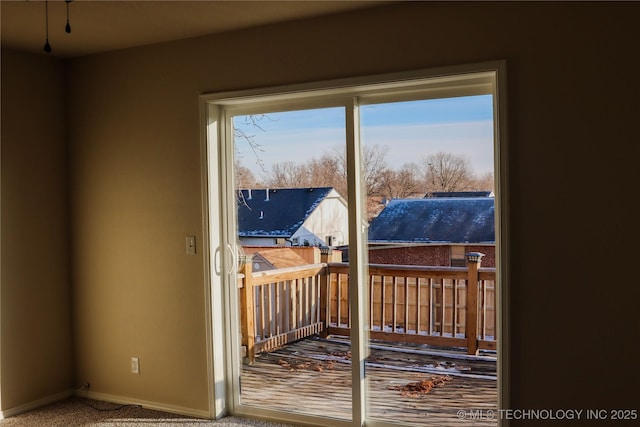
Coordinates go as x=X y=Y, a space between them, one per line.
x=247 y=315
x=326 y=254
x=474 y=260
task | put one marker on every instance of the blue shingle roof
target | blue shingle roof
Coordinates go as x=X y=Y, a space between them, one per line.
x=452 y=220
x=460 y=194
x=280 y=214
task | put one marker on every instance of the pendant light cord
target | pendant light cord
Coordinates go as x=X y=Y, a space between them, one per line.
x=68 y=27
x=47 y=46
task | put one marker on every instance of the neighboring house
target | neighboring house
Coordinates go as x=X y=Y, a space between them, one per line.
x=436 y=230
x=270 y=257
x=292 y=217
x=258 y=261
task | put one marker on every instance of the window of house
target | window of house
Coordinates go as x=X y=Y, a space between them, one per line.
x=327 y=179
x=458 y=256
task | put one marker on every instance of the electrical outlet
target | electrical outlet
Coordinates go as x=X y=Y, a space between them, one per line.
x=135 y=365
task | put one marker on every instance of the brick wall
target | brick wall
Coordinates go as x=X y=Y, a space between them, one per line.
x=435 y=255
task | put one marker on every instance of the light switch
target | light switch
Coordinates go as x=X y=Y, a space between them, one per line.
x=191 y=245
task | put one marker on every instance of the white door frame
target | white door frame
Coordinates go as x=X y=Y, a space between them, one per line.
x=220 y=226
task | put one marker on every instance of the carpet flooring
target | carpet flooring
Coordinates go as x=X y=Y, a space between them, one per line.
x=77 y=411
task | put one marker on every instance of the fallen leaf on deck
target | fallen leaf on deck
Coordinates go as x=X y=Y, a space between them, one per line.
x=420 y=388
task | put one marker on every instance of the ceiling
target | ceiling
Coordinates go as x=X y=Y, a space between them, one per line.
x=100 y=26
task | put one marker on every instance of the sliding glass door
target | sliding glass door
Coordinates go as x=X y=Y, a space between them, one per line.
x=429 y=179
x=291 y=210
x=360 y=255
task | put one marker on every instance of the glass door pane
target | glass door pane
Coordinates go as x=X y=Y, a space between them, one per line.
x=292 y=217
x=428 y=169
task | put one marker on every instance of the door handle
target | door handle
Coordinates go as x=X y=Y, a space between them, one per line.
x=216 y=262
x=233 y=259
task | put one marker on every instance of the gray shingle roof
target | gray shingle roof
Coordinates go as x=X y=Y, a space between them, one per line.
x=439 y=219
x=278 y=215
x=460 y=194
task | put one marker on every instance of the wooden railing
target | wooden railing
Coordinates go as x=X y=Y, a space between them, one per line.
x=280 y=306
x=442 y=306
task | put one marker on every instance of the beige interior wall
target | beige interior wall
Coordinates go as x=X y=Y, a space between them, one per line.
x=573 y=149
x=572 y=84
x=135 y=185
x=35 y=310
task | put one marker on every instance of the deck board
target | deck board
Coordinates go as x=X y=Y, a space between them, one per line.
x=313 y=376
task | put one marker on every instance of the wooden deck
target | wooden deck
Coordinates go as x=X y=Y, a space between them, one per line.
x=313 y=376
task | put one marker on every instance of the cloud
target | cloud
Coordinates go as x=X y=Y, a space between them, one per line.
x=412 y=130
x=407 y=143
x=473 y=140
x=297 y=145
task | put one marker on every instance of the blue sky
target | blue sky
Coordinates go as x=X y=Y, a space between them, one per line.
x=411 y=130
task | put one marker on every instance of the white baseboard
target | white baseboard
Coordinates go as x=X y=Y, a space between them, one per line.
x=35 y=404
x=190 y=412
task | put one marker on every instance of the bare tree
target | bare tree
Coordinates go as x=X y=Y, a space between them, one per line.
x=484 y=182
x=447 y=172
x=330 y=170
x=402 y=183
x=245 y=178
x=374 y=166
x=288 y=175
x=439 y=172
x=240 y=135
x=327 y=171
